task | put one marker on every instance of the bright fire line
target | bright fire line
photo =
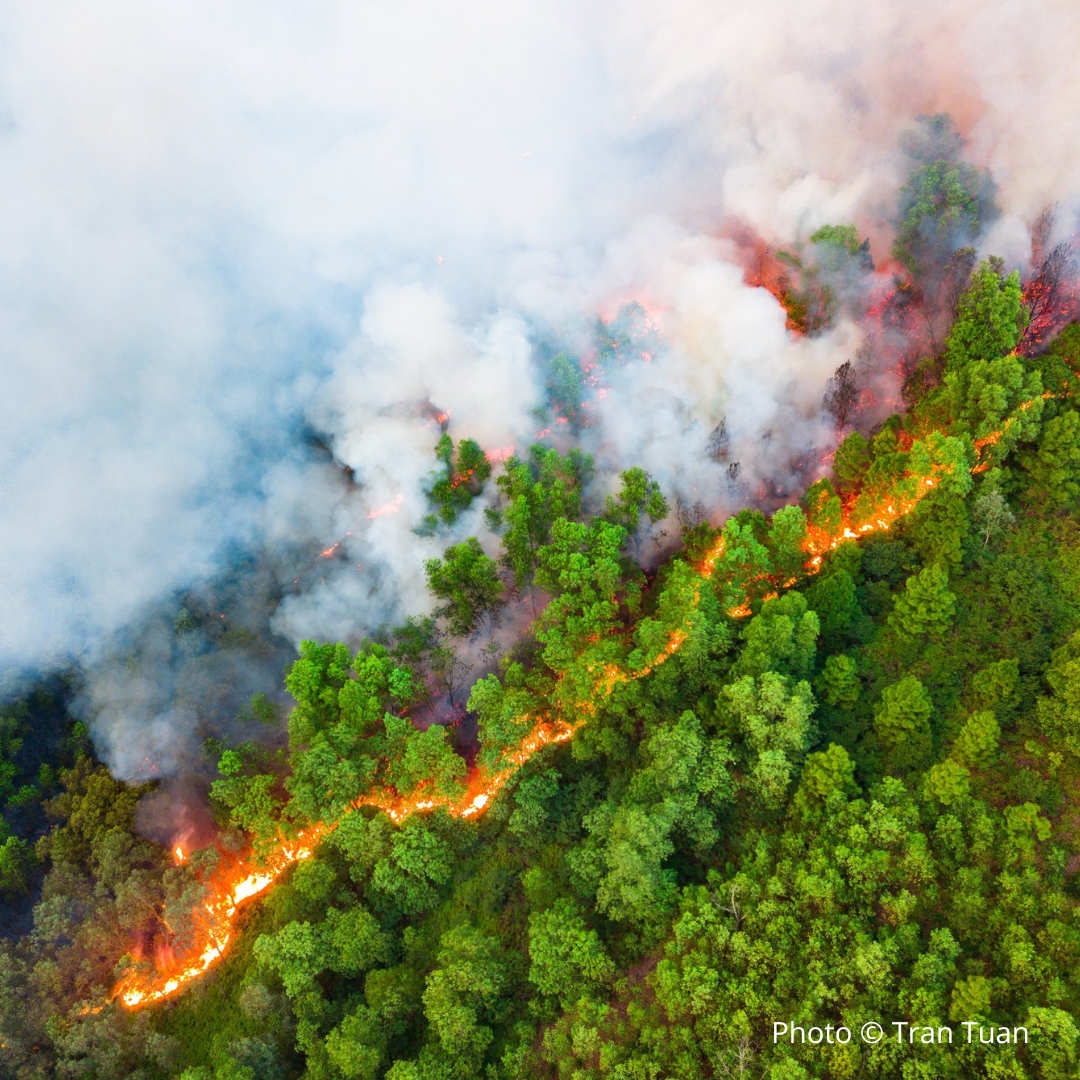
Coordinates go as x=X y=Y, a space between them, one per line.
x=242 y=881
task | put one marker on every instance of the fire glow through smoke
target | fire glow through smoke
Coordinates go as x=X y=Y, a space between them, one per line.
x=242 y=879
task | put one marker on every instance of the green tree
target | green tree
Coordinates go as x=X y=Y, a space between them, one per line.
x=926 y=606
x=531 y=799
x=16 y=861
x=1059 y=712
x=622 y=863
x=835 y=601
x=1024 y=826
x=787 y=540
x=773 y=716
x=824 y=511
x=252 y=796
x=566 y=390
x=295 y=954
x=838 y=683
x=468 y=582
x=903 y=713
x=851 y=463
x=741 y=573
x=534 y=494
x=991 y=394
x=416 y=758
x=1054 y=463
x=947 y=781
x=990 y=514
x=971 y=999
x=825 y=774
x=989 y=320
x=938 y=526
x=464 y=991
x=336 y=733
x=639 y=497
x=996 y=683
x=507 y=713
x=567 y=958
x=943 y=203
x=978 y=740
x=418 y=865
x=781 y=637
x=582 y=569
x=465 y=469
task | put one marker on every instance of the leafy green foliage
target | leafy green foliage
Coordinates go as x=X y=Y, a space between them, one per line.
x=903 y=713
x=947 y=781
x=640 y=497
x=534 y=494
x=1054 y=463
x=567 y=958
x=468 y=583
x=976 y=745
x=926 y=606
x=465 y=469
x=944 y=202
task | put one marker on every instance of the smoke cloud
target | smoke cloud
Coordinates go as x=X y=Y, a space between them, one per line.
x=230 y=227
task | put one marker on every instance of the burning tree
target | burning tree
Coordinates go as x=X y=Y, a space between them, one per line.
x=1050 y=289
x=465 y=469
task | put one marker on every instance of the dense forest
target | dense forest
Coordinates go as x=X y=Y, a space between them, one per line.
x=815 y=768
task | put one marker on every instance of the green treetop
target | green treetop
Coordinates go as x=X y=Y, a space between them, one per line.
x=926 y=606
x=903 y=713
x=469 y=584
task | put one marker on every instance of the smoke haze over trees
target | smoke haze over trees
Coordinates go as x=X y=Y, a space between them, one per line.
x=227 y=228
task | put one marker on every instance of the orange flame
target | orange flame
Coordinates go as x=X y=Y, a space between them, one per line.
x=392 y=507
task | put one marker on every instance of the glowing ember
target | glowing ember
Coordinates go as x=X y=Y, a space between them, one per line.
x=392 y=507
x=500 y=454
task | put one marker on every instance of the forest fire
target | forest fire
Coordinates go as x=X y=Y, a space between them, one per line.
x=220 y=909
x=245 y=880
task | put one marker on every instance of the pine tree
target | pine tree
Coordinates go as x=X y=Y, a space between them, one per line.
x=947 y=781
x=978 y=740
x=903 y=713
x=926 y=606
x=825 y=774
x=990 y=317
x=1054 y=464
x=838 y=683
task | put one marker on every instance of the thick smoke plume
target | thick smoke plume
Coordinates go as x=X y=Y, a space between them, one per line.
x=232 y=232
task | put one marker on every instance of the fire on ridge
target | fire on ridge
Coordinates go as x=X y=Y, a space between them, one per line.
x=242 y=880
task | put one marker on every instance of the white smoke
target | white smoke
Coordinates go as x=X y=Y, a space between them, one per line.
x=223 y=222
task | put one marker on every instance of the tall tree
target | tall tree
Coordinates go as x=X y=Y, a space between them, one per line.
x=926 y=607
x=639 y=498
x=904 y=712
x=1053 y=464
x=468 y=582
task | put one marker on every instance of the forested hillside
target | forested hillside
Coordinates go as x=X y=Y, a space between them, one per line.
x=818 y=768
